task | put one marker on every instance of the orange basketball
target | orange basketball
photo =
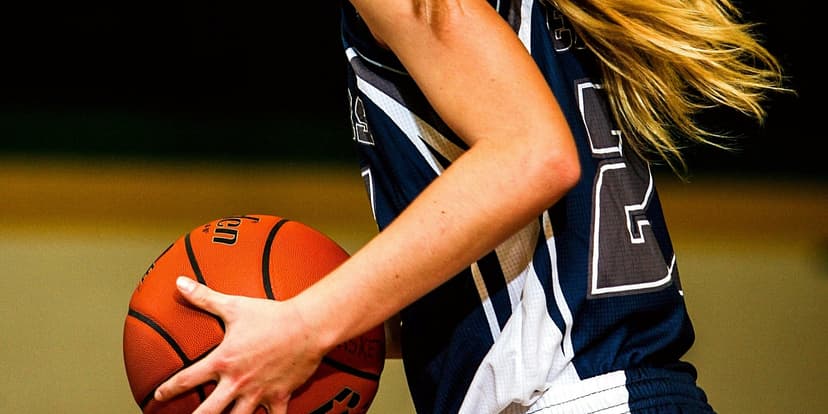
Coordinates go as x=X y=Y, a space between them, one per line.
x=256 y=256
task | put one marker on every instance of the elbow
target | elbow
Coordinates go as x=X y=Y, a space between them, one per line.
x=570 y=170
x=557 y=171
x=567 y=171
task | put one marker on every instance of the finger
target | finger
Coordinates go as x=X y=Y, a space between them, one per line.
x=218 y=400
x=244 y=406
x=278 y=407
x=184 y=380
x=200 y=295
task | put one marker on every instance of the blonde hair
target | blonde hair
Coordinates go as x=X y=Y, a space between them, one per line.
x=666 y=60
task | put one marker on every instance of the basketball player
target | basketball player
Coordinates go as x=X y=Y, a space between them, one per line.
x=505 y=146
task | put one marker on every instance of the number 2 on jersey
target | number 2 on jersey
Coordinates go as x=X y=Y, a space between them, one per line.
x=625 y=256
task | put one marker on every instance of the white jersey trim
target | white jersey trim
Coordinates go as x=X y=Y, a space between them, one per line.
x=525 y=29
x=564 y=371
x=516 y=368
x=603 y=394
x=418 y=131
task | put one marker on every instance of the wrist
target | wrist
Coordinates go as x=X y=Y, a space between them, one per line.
x=319 y=321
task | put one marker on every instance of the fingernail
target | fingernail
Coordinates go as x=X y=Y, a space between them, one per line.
x=158 y=395
x=185 y=284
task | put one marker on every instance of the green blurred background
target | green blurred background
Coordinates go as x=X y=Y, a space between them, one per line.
x=123 y=126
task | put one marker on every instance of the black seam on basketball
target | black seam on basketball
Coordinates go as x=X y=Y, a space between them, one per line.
x=167 y=337
x=157 y=328
x=146 y=400
x=351 y=370
x=200 y=390
x=197 y=270
x=193 y=262
x=268 y=288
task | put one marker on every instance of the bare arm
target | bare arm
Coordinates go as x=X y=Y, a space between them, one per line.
x=522 y=159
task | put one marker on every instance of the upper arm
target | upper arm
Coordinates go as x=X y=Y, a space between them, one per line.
x=473 y=69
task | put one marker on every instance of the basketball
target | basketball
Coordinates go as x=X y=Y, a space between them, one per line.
x=260 y=256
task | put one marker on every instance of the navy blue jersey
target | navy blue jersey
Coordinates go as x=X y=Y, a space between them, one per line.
x=582 y=300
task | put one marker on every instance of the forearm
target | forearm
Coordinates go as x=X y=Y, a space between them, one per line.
x=467 y=212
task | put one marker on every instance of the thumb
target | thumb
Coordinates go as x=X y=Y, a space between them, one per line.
x=201 y=296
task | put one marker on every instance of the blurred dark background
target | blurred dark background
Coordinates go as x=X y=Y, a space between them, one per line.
x=266 y=81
